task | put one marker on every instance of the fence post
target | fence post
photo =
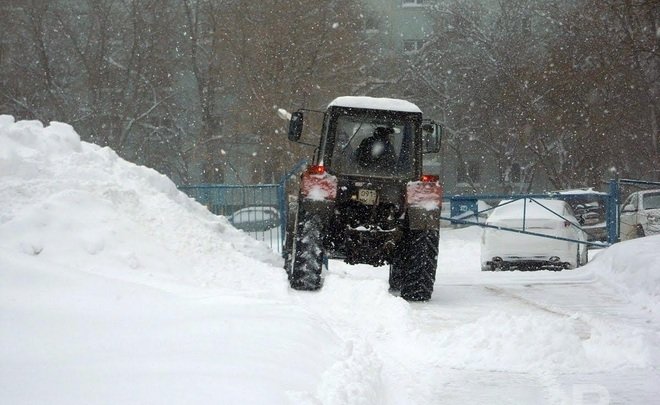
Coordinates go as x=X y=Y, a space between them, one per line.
x=613 y=212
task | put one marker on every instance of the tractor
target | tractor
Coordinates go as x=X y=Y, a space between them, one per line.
x=365 y=197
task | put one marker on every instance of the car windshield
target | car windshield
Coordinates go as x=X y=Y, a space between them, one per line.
x=365 y=146
x=651 y=201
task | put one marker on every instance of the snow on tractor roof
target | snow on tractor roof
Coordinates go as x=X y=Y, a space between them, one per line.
x=374 y=103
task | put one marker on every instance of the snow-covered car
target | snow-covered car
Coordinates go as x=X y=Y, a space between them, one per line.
x=255 y=219
x=502 y=250
x=589 y=208
x=640 y=215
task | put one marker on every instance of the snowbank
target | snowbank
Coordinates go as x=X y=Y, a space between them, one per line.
x=64 y=199
x=117 y=288
x=633 y=268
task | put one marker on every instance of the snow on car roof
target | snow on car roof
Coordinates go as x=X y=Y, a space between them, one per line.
x=646 y=192
x=579 y=191
x=375 y=103
x=514 y=210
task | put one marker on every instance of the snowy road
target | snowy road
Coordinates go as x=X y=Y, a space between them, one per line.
x=499 y=338
x=578 y=311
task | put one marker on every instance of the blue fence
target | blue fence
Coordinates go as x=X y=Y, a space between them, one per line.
x=260 y=209
x=464 y=208
x=256 y=209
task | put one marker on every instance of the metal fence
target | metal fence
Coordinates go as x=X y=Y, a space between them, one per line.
x=260 y=209
x=255 y=209
x=464 y=209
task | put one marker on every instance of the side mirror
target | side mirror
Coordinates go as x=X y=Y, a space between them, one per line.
x=629 y=208
x=296 y=126
x=431 y=137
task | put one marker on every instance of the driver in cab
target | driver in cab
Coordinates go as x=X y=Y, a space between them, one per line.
x=377 y=150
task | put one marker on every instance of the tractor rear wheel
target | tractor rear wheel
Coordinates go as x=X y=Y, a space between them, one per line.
x=397 y=267
x=306 y=257
x=421 y=260
x=399 y=264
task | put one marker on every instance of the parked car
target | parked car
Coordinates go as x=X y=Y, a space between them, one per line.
x=589 y=208
x=505 y=250
x=640 y=215
x=255 y=219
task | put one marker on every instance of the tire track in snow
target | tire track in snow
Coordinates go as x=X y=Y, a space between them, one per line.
x=582 y=327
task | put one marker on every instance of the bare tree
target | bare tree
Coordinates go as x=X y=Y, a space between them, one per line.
x=568 y=88
x=287 y=54
x=603 y=86
x=202 y=24
x=30 y=84
x=480 y=69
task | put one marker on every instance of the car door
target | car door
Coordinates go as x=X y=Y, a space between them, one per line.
x=628 y=218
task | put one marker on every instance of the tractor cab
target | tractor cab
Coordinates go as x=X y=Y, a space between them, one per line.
x=372 y=137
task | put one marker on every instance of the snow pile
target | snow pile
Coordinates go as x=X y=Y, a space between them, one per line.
x=633 y=267
x=117 y=288
x=69 y=200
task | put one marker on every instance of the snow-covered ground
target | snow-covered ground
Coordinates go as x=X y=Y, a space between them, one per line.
x=117 y=288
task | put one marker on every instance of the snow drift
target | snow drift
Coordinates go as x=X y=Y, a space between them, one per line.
x=633 y=268
x=117 y=288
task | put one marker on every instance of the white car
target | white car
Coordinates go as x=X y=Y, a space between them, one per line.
x=503 y=250
x=640 y=215
x=255 y=219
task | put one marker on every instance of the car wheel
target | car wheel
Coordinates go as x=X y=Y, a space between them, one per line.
x=489 y=267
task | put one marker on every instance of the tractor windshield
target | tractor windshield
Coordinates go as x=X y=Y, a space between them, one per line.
x=369 y=146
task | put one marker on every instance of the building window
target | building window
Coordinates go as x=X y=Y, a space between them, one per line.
x=412 y=45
